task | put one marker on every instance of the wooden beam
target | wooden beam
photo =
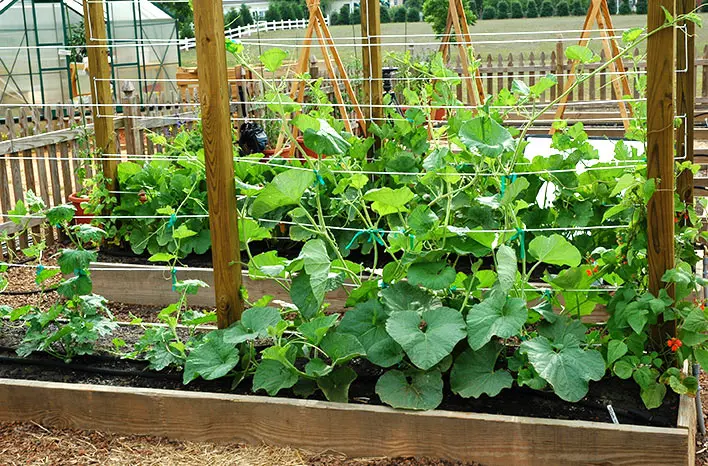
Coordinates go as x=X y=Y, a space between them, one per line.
x=660 y=151
x=99 y=79
x=685 y=97
x=219 y=159
x=356 y=430
x=371 y=58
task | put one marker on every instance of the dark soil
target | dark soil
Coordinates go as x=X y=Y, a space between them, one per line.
x=106 y=370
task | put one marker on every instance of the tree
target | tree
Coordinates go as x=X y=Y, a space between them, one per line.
x=232 y=19
x=641 y=7
x=288 y=11
x=624 y=8
x=334 y=19
x=502 y=10
x=385 y=15
x=562 y=8
x=413 y=15
x=532 y=9
x=489 y=12
x=517 y=11
x=546 y=9
x=399 y=14
x=435 y=13
x=273 y=12
x=577 y=8
x=245 y=15
x=355 y=17
x=477 y=6
x=182 y=12
x=417 y=4
x=344 y=14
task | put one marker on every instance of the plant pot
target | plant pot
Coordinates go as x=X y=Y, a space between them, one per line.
x=270 y=153
x=76 y=200
x=308 y=152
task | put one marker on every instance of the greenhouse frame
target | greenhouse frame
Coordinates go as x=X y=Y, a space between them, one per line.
x=41 y=62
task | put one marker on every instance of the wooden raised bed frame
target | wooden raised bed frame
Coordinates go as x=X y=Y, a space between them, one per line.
x=355 y=430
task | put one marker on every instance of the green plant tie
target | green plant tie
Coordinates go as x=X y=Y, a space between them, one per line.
x=382 y=284
x=453 y=288
x=547 y=294
x=521 y=235
x=412 y=239
x=511 y=177
x=319 y=178
x=374 y=235
x=173 y=272
x=40 y=269
x=171 y=222
x=80 y=272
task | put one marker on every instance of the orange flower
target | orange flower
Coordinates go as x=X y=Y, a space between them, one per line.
x=674 y=344
x=589 y=272
x=596 y=269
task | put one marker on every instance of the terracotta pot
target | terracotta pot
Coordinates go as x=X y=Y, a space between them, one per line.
x=308 y=152
x=76 y=200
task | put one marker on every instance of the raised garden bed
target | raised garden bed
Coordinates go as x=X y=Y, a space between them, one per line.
x=355 y=430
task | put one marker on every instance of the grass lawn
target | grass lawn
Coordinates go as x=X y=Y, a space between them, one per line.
x=489 y=43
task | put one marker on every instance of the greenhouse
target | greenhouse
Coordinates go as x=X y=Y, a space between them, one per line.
x=42 y=60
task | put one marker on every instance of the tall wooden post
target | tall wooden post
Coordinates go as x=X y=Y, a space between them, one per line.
x=219 y=158
x=99 y=79
x=371 y=58
x=685 y=97
x=660 y=151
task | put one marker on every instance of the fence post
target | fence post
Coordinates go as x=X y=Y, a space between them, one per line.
x=660 y=153
x=685 y=97
x=99 y=76
x=218 y=153
x=371 y=58
x=133 y=141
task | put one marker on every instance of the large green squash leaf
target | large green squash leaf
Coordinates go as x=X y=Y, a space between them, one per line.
x=473 y=373
x=555 y=250
x=497 y=315
x=285 y=189
x=418 y=390
x=212 y=359
x=367 y=322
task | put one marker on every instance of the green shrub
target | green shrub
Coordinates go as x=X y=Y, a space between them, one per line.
x=624 y=8
x=385 y=15
x=435 y=13
x=532 y=9
x=547 y=9
x=641 y=7
x=399 y=14
x=562 y=9
x=413 y=15
x=489 y=12
x=502 y=10
x=517 y=11
x=577 y=8
x=344 y=14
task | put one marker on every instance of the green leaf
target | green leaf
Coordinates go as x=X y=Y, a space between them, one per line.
x=506 y=267
x=17 y=215
x=317 y=265
x=389 y=201
x=325 y=140
x=250 y=230
x=623 y=183
x=254 y=324
x=212 y=359
x=287 y=188
x=701 y=356
x=419 y=390
x=564 y=365
x=615 y=350
x=513 y=191
x=630 y=35
x=316 y=329
x=303 y=297
x=61 y=214
x=183 y=232
x=544 y=84
x=487 y=136
x=191 y=286
x=75 y=259
x=162 y=257
x=403 y=296
x=272 y=376
x=367 y=322
x=88 y=233
x=653 y=395
x=273 y=58
x=581 y=54
x=79 y=285
x=335 y=385
x=280 y=103
x=623 y=369
x=496 y=315
x=422 y=219
x=267 y=265
x=428 y=337
x=304 y=122
x=434 y=276
x=554 y=249
x=473 y=373
x=341 y=347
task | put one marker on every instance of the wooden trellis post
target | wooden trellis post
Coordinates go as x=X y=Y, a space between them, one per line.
x=219 y=158
x=660 y=153
x=457 y=19
x=599 y=14
x=371 y=58
x=337 y=73
x=685 y=97
x=99 y=78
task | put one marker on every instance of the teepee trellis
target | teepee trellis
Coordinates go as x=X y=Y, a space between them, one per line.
x=457 y=19
x=317 y=26
x=600 y=13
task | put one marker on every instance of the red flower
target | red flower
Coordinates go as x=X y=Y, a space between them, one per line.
x=674 y=344
x=596 y=269
x=589 y=272
x=676 y=219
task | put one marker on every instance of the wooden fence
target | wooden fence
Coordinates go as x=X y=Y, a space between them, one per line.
x=41 y=151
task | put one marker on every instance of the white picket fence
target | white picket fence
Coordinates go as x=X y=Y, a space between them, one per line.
x=261 y=26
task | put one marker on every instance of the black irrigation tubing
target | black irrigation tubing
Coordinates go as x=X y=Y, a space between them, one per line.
x=28 y=293
x=56 y=364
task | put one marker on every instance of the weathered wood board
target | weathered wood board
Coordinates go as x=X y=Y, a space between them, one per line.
x=355 y=430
